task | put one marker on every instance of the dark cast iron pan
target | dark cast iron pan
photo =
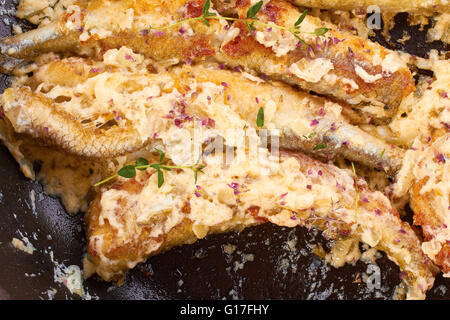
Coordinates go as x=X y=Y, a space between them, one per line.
x=199 y=271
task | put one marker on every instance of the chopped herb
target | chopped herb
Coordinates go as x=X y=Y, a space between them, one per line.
x=320 y=31
x=301 y=18
x=310 y=136
x=250 y=21
x=129 y=171
x=260 y=118
x=320 y=146
x=251 y=13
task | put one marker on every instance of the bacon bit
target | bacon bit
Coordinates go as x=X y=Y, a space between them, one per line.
x=440 y=157
x=333 y=127
x=345 y=143
x=313 y=123
x=221 y=66
x=129 y=57
x=253 y=211
x=336 y=40
x=309 y=187
x=188 y=61
x=257 y=100
x=155 y=135
x=144 y=32
x=282 y=203
x=1 y=114
x=236 y=187
x=446 y=126
x=46 y=129
x=182 y=30
x=319 y=172
x=310 y=172
x=293 y=218
x=209 y=123
x=197 y=194
x=269 y=29
x=209 y=98
x=283 y=195
x=365 y=200
x=224 y=84
x=159 y=34
x=350 y=52
x=345 y=232
x=339 y=186
x=95 y=70
x=402 y=231
x=271 y=11
x=237 y=69
x=198 y=187
x=322 y=112
x=397 y=240
x=378 y=211
x=178 y=123
x=444 y=94
x=193 y=9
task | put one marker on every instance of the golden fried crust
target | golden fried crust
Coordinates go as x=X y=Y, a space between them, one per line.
x=429 y=201
x=344 y=51
x=118 y=246
x=355 y=73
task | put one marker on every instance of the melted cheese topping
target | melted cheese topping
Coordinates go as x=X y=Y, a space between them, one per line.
x=429 y=110
x=311 y=70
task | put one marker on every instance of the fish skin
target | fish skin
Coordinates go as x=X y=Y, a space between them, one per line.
x=109 y=259
x=244 y=51
x=296 y=116
x=55 y=128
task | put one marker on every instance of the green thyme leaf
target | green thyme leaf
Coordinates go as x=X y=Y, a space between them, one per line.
x=206 y=7
x=382 y=153
x=301 y=40
x=302 y=17
x=141 y=162
x=320 y=146
x=320 y=31
x=250 y=27
x=260 y=118
x=160 y=178
x=251 y=13
x=195 y=176
x=310 y=136
x=161 y=155
x=127 y=172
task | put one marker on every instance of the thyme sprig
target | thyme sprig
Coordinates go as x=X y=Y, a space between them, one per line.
x=141 y=164
x=251 y=21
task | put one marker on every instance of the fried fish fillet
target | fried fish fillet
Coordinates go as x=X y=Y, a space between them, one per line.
x=385 y=5
x=371 y=79
x=430 y=200
x=133 y=219
x=100 y=110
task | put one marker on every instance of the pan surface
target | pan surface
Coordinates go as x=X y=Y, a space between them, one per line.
x=264 y=262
